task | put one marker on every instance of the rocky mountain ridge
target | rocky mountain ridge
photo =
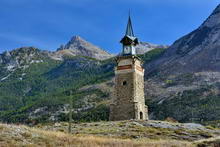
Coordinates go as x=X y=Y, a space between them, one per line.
x=79 y=46
x=185 y=80
x=144 y=47
x=21 y=56
x=196 y=52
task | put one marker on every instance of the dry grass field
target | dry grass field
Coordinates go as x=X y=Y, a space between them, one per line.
x=20 y=135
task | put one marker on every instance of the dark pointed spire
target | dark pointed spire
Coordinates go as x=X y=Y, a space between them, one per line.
x=129 y=38
x=129 y=30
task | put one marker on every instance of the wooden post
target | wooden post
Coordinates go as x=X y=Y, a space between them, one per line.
x=70 y=112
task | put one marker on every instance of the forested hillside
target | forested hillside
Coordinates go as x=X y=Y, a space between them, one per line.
x=42 y=91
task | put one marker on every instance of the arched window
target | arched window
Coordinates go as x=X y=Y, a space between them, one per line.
x=141 y=115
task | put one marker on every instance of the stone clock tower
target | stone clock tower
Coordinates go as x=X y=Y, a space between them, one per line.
x=129 y=102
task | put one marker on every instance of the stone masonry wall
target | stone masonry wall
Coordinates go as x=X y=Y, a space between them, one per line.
x=129 y=102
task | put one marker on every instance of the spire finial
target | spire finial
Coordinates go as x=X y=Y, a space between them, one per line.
x=129 y=30
x=129 y=12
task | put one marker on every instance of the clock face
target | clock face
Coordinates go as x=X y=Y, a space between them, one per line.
x=127 y=49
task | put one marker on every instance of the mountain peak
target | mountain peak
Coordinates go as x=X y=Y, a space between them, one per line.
x=79 y=46
x=6 y=53
x=217 y=9
x=77 y=38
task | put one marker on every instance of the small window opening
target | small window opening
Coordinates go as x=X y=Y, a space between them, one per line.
x=124 y=83
x=141 y=115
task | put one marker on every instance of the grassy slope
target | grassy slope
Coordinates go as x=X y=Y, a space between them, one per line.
x=96 y=134
x=110 y=134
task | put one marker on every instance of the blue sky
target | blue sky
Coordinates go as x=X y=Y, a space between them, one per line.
x=47 y=24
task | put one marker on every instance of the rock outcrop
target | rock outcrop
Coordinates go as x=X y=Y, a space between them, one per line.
x=144 y=47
